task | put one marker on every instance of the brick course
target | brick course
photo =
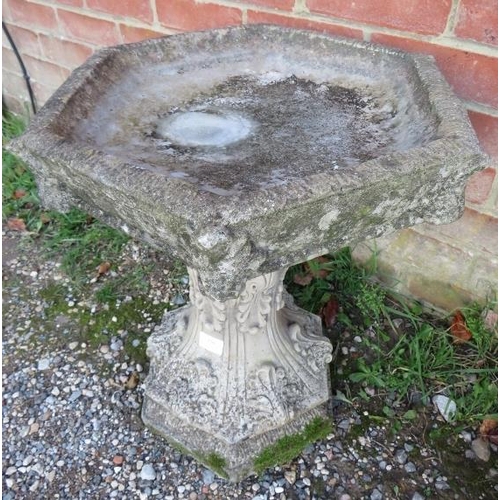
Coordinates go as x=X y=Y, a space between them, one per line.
x=486 y=128
x=137 y=9
x=478 y=20
x=26 y=40
x=63 y=52
x=88 y=29
x=187 y=15
x=417 y=16
x=473 y=76
x=132 y=34
x=31 y=14
x=480 y=185
x=55 y=36
x=256 y=17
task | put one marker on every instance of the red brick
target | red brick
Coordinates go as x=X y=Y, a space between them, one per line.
x=473 y=231
x=417 y=16
x=88 y=29
x=486 y=128
x=130 y=34
x=478 y=21
x=14 y=85
x=136 y=9
x=255 y=17
x=10 y=62
x=274 y=4
x=18 y=106
x=46 y=73
x=74 y=3
x=32 y=14
x=65 y=53
x=479 y=186
x=188 y=15
x=472 y=76
x=25 y=40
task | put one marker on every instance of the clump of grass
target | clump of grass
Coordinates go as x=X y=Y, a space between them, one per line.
x=19 y=192
x=83 y=241
x=426 y=360
x=132 y=282
x=414 y=362
x=337 y=276
x=288 y=447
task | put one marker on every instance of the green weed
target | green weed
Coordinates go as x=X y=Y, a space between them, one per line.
x=19 y=193
x=343 y=280
x=426 y=361
x=83 y=242
x=415 y=361
x=133 y=282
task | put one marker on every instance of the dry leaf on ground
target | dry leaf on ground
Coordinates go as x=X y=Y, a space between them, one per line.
x=132 y=381
x=19 y=193
x=302 y=279
x=329 y=312
x=489 y=430
x=103 y=268
x=16 y=225
x=459 y=329
x=319 y=273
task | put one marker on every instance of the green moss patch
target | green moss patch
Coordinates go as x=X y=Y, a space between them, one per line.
x=214 y=462
x=109 y=319
x=288 y=447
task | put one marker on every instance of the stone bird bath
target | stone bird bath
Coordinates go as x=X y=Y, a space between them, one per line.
x=243 y=151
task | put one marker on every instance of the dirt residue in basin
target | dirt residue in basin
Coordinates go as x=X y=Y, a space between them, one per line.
x=298 y=127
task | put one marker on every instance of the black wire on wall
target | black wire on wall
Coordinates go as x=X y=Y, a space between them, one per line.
x=23 y=67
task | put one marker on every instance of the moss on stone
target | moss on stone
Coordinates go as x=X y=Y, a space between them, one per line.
x=288 y=447
x=215 y=462
x=173 y=443
x=212 y=460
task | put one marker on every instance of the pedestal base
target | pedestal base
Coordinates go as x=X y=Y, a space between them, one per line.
x=228 y=379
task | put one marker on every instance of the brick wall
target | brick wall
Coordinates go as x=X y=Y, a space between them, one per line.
x=445 y=265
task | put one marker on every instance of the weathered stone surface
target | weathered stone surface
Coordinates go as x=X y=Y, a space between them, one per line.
x=230 y=377
x=348 y=141
x=243 y=151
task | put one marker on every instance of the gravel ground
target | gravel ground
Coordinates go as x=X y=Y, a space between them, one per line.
x=72 y=427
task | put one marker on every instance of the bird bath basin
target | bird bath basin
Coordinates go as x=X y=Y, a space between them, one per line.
x=243 y=151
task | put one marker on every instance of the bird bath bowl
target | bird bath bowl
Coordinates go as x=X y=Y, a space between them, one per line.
x=243 y=151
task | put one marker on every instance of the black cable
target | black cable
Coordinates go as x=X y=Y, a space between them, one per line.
x=23 y=67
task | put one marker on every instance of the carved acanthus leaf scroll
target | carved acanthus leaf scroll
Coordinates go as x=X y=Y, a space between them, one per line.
x=317 y=350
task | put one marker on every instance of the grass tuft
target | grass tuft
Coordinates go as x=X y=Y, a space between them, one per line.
x=19 y=192
x=405 y=351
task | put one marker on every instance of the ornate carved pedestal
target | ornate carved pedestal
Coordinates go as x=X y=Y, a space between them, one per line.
x=233 y=377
